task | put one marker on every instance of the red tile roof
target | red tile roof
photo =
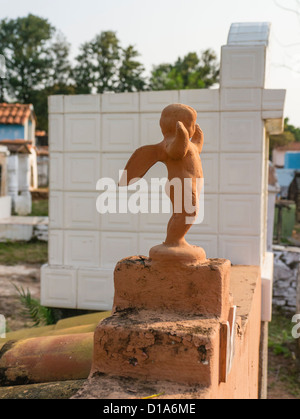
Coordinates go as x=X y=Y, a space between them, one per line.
x=17 y=146
x=42 y=151
x=15 y=113
x=289 y=147
x=40 y=133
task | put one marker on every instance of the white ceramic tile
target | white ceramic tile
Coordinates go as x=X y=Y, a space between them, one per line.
x=117 y=246
x=243 y=66
x=273 y=100
x=149 y=240
x=56 y=172
x=95 y=289
x=241 y=99
x=240 y=250
x=120 y=132
x=82 y=132
x=208 y=242
x=205 y=100
x=56 y=247
x=241 y=173
x=82 y=249
x=157 y=101
x=210 y=222
x=82 y=103
x=210 y=125
x=240 y=215
x=241 y=132
x=158 y=173
x=119 y=222
x=80 y=211
x=210 y=164
x=275 y=115
x=56 y=133
x=267 y=274
x=56 y=104
x=82 y=171
x=58 y=287
x=120 y=102
x=112 y=164
x=160 y=212
x=150 y=129
x=56 y=202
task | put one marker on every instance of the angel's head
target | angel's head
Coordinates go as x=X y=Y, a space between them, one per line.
x=174 y=113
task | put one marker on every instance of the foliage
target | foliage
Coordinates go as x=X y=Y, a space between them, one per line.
x=130 y=72
x=190 y=72
x=24 y=42
x=104 y=66
x=293 y=130
x=39 y=315
x=37 y=61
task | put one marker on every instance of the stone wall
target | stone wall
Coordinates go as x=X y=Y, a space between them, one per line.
x=286 y=272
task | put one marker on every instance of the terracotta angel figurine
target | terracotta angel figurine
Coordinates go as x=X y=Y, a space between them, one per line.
x=180 y=152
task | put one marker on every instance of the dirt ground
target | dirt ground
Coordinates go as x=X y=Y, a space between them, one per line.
x=28 y=277
x=281 y=377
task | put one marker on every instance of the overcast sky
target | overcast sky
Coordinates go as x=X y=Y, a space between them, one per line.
x=162 y=30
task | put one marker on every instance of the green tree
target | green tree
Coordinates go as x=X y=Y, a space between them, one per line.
x=104 y=66
x=130 y=72
x=24 y=42
x=61 y=69
x=83 y=73
x=292 y=129
x=97 y=64
x=37 y=63
x=287 y=137
x=190 y=72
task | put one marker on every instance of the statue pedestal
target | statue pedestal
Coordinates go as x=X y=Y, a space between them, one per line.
x=201 y=289
x=166 y=321
x=153 y=346
x=139 y=352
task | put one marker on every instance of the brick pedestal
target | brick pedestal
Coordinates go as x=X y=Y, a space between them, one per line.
x=166 y=321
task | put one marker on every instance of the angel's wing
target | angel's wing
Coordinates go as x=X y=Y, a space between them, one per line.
x=198 y=138
x=179 y=146
x=139 y=163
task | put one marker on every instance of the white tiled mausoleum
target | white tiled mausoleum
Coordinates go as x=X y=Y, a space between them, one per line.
x=92 y=137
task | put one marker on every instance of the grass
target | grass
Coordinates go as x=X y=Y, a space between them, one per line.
x=281 y=340
x=284 y=367
x=40 y=208
x=14 y=253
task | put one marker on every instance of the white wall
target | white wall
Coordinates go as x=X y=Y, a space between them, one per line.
x=92 y=136
x=278 y=158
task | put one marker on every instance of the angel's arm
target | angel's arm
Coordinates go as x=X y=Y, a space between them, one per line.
x=179 y=146
x=139 y=163
x=198 y=138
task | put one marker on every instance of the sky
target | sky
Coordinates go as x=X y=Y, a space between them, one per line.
x=163 y=30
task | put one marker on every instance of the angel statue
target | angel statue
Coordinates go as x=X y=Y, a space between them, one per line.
x=180 y=151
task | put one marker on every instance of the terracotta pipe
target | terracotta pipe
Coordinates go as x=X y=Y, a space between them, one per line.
x=46 y=359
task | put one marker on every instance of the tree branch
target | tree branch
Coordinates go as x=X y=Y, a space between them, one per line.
x=286 y=67
x=288 y=9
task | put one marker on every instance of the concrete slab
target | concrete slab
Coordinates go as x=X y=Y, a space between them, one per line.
x=17 y=228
